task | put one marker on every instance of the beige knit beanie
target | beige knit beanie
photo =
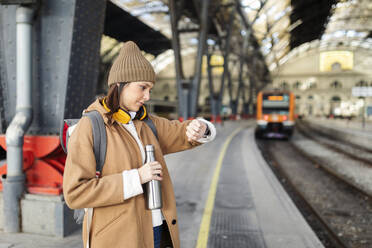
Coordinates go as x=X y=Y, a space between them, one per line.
x=131 y=66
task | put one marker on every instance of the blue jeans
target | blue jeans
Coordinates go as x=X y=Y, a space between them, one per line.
x=157 y=235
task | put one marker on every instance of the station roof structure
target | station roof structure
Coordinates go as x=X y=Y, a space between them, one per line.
x=278 y=26
x=140 y=32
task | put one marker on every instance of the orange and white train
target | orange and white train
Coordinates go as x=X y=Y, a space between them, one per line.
x=275 y=114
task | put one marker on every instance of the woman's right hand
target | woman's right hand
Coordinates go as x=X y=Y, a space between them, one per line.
x=150 y=171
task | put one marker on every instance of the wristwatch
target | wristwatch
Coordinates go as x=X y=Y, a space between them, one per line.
x=207 y=132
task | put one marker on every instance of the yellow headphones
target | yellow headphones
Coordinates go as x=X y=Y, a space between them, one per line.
x=123 y=116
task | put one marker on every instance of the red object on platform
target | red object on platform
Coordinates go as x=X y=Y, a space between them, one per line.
x=233 y=117
x=218 y=119
x=213 y=119
x=43 y=164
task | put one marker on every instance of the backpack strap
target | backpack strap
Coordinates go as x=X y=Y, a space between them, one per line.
x=149 y=122
x=64 y=134
x=99 y=138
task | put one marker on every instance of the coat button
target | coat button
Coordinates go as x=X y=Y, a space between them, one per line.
x=174 y=222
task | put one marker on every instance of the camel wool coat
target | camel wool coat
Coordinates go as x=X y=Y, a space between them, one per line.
x=117 y=222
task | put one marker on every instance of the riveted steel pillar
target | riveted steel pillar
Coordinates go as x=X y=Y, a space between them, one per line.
x=66 y=62
x=65 y=55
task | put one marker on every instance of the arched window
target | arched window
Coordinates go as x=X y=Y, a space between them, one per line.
x=362 y=83
x=310 y=97
x=166 y=88
x=336 y=85
x=207 y=100
x=297 y=85
x=298 y=97
x=312 y=85
x=284 y=86
x=336 y=99
x=336 y=66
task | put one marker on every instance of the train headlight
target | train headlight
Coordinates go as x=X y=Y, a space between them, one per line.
x=288 y=123
x=261 y=123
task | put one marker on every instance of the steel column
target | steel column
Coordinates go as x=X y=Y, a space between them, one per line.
x=195 y=87
x=252 y=86
x=188 y=89
x=213 y=96
x=241 y=66
x=226 y=59
x=182 y=85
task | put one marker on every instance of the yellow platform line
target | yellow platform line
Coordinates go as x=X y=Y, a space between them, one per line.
x=208 y=209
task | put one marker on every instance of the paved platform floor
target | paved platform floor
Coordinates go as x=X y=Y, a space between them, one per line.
x=355 y=124
x=343 y=130
x=251 y=208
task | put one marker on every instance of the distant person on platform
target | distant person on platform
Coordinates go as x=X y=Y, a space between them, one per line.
x=120 y=217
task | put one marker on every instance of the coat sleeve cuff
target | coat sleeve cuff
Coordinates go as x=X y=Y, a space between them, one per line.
x=131 y=183
x=212 y=134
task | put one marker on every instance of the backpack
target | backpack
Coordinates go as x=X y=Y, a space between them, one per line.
x=99 y=144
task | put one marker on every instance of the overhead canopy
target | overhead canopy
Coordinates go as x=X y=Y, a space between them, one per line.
x=284 y=26
x=311 y=16
x=280 y=26
x=122 y=26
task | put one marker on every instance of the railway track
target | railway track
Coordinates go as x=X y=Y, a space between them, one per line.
x=351 y=169
x=340 y=213
x=349 y=149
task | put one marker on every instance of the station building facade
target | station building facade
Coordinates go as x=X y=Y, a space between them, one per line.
x=322 y=80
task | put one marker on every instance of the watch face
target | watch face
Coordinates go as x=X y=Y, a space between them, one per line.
x=207 y=132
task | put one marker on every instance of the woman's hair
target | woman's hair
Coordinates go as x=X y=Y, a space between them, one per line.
x=112 y=99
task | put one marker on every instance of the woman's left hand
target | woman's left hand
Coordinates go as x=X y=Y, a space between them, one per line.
x=195 y=130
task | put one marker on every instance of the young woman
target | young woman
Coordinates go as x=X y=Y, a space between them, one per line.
x=117 y=214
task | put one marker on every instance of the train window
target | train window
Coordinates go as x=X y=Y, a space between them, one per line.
x=275 y=104
x=276 y=110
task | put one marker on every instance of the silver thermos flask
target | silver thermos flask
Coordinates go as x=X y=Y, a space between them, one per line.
x=153 y=187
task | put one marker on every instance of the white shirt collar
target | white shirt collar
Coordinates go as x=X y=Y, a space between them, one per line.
x=132 y=114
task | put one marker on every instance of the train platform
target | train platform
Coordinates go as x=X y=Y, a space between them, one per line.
x=350 y=131
x=226 y=196
x=352 y=125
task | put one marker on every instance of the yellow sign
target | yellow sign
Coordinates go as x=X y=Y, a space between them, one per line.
x=216 y=63
x=275 y=98
x=342 y=59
